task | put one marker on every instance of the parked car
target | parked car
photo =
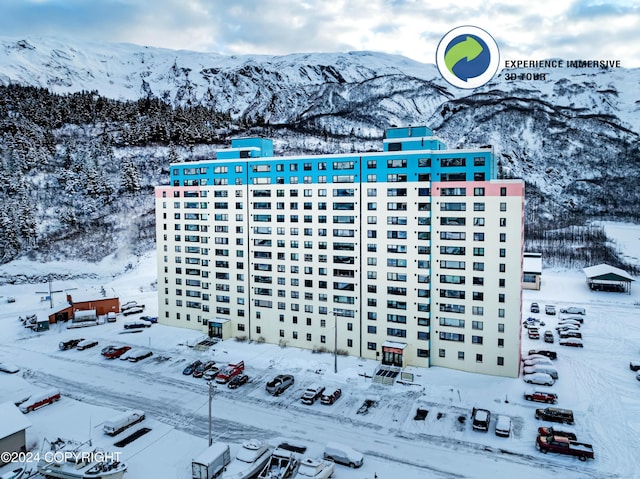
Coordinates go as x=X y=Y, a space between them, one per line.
x=535 y=308
x=151 y=319
x=634 y=365
x=567 y=322
x=533 y=333
x=541 y=368
x=579 y=319
x=139 y=355
x=548 y=337
x=552 y=431
x=343 y=454
x=11 y=299
x=198 y=372
x=128 y=305
x=331 y=397
x=480 y=419
x=279 y=384
x=542 y=396
x=573 y=342
x=226 y=373
x=238 y=381
x=69 y=344
x=573 y=310
x=542 y=379
x=188 y=371
x=555 y=414
x=567 y=327
x=550 y=309
x=544 y=352
x=211 y=373
x=9 y=368
x=39 y=400
x=86 y=344
x=538 y=360
x=137 y=324
x=112 y=352
x=134 y=310
x=503 y=426
x=570 y=334
x=638 y=376
x=312 y=394
x=563 y=445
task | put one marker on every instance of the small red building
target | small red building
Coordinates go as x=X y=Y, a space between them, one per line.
x=101 y=306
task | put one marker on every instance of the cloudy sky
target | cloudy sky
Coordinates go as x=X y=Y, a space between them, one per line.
x=524 y=29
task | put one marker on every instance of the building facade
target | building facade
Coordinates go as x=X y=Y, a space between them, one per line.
x=411 y=255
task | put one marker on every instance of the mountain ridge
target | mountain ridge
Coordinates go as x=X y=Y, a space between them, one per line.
x=572 y=137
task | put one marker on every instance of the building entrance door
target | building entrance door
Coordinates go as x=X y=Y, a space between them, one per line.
x=392 y=357
x=215 y=330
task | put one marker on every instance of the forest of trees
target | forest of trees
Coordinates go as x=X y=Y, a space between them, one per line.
x=77 y=173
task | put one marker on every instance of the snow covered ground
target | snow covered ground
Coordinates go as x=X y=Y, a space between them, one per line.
x=594 y=381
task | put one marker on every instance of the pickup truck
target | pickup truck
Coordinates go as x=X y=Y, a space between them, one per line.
x=542 y=396
x=564 y=445
x=552 y=431
x=230 y=370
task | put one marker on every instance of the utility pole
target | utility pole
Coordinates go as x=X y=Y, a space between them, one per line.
x=335 y=341
x=211 y=388
x=50 y=292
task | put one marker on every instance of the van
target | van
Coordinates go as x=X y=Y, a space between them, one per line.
x=542 y=368
x=343 y=454
x=555 y=414
x=111 y=317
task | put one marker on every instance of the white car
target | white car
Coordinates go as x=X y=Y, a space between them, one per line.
x=543 y=379
x=573 y=310
x=550 y=309
x=534 y=361
x=564 y=322
x=503 y=426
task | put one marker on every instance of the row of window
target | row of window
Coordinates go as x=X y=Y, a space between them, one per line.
x=479 y=357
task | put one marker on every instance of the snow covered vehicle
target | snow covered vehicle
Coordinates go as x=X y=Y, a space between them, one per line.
x=121 y=422
x=39 y=400
x=229 y=371
x=211 y=462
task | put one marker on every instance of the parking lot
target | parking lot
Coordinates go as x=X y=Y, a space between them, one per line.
x=594 y=381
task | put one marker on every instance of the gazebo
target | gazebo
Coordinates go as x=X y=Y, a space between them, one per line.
x=604 y=277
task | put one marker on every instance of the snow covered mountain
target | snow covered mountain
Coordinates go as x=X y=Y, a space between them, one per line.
x=573 y=136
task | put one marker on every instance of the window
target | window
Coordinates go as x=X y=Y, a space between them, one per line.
x=500 y=342
x=503 y=237
x=501 y=327
x=478 y=358
x=476 y=339
x=477 y=325
x=503 y=267
x=503 y=206
x=503 y=252
x=478 y=236
x=461 y=355
x=500 y=361
x=503 y=221
x=441 y=353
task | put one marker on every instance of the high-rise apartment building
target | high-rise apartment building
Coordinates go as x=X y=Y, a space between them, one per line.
x=411 y=255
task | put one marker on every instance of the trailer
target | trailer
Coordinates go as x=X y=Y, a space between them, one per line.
x=211 y=462
x=121 y=422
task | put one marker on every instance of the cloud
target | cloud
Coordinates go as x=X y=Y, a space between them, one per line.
x=413 y=28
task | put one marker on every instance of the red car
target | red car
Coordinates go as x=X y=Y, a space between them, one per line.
x=542 y=396
x=332 y=397
x=112 y=352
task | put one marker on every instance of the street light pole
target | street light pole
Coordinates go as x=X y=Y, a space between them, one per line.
x=211 y=387
x=335 y=341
